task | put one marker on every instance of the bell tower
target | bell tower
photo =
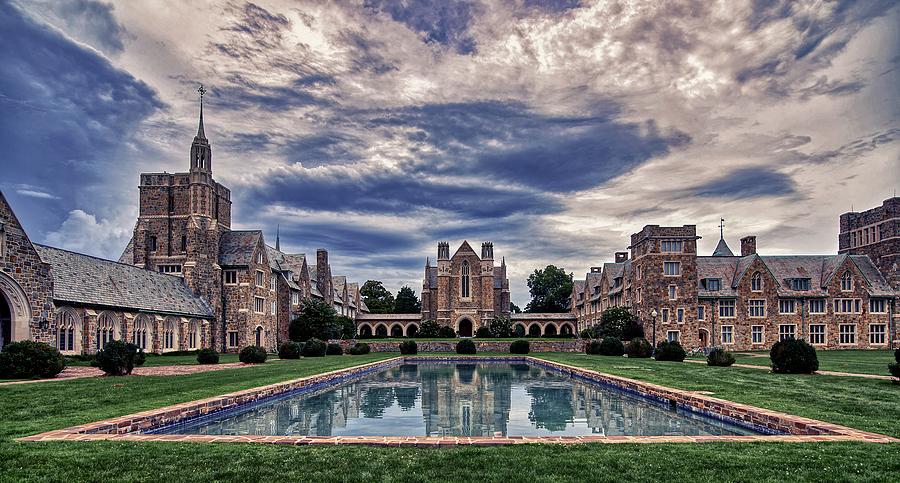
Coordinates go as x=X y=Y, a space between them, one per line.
x=201 y=152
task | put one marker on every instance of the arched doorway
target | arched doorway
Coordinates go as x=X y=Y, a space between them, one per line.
x=566 y=330
x=464 y=327
x=15 y=312
x=534 y=330
x=397 y=331
x=519 y=330
x=704 y=338
x=381 y=331
x=365 y=331
x=259 y=336
x=412 y=330
x=550 y=330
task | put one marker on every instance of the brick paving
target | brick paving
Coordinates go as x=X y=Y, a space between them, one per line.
x=792 y=428
x=78 y=372
x=822 y=373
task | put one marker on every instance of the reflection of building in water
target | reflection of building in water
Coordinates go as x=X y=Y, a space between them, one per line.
x=466 y=400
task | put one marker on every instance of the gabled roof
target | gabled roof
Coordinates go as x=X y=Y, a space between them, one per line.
x=722 y=249
x=463 y=248
x=85 y=280
x=719 y=267
x=236 y=247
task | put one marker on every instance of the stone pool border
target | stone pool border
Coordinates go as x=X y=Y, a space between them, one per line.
x=792 y=428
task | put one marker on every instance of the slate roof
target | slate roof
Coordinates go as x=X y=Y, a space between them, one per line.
x=85 y=280
x=722 y=249
x=280 y=262
x=432 y=277
x=236 y=247
x=720 y=267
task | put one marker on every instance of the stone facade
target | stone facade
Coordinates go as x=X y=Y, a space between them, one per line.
x=876 y=233
x=465 y=291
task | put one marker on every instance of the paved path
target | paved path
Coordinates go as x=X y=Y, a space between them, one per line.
x=823 y=373
x=78 y=372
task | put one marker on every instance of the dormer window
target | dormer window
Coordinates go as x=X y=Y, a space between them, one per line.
x=799 y=284
x=756 y=282
x=846 y=282
x=713 y=284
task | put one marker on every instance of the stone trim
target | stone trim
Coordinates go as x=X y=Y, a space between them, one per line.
x=135 y=427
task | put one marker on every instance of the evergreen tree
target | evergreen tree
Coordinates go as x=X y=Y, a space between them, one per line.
x=377 y=298
x=514 y=308
x=407 y=302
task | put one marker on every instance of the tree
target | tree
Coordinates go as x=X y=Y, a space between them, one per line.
x=550 y=290
x=500 y=326
x=407 y=302
x=614 y=321
x=514 y=308
x=429 y=329
x=317 y=319
x=377 y=298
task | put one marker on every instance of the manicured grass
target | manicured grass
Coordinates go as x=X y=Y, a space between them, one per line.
x=868 y=404
x=164 y=360
x=33 y=408
x=856 y=361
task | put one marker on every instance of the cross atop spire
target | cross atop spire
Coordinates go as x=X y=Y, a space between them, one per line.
x=200 y=133
x=722 y=229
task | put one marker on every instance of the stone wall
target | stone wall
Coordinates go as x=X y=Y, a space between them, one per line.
x=884 y=220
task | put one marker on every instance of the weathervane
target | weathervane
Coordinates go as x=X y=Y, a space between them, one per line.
x=722 y=228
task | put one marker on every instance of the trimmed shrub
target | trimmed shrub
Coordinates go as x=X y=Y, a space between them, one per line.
x=483 y=332
x=140 y=358
x=446 y=332
x=207 y=356
x=793 y=356
x=118 y=358
x=334 y=349
x=289 y=350
x=28 y=359
x=612 y=346
x=253 y=354
x=465 y=346
x=359 y=349
x=315 y=348
x=719 y=357
x=520 y=347
x=670 y=351
x=639 y=348
x=409 y=347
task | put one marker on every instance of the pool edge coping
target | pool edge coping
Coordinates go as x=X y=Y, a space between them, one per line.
x=129 y=427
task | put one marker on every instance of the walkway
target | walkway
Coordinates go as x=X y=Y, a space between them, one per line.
x=79 y=372
x=821 y=373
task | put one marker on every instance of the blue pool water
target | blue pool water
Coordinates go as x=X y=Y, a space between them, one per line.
x=460 y=399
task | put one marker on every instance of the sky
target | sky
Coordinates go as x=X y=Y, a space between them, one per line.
x=377 y=128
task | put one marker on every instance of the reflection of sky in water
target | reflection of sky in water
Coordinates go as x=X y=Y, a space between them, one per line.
x=483 y=399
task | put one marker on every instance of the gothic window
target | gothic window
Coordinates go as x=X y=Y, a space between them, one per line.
x=106 y=329
x=66 y=331
x=847 y=282
x=152 y=243
x=170 y=335
x=184 y=243
x=756 y=282
x=464 y=288
x=194 y=335
x=140 y=336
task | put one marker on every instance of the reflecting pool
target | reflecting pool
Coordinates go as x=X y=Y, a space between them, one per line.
x=461 y=399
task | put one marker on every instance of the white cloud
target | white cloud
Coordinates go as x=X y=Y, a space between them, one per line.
x=81 y=232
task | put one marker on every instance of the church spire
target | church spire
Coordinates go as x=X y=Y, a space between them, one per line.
x=277 y=233
x=200 y=133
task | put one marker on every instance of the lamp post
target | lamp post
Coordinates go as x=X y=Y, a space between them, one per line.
x=654 y=314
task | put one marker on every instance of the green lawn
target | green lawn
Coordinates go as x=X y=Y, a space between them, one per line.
x=32 y=408
x=856 y=361
x=164 y=360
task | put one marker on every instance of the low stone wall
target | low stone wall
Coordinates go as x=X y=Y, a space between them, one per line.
x=558 y=345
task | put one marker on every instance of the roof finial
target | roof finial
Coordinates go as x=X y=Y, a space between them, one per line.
x=278 y=237
x=722 y=229
x=427 y=262
x=200 y=133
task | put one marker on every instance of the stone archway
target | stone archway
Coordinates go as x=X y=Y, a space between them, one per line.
x=15 y=312
x=381 y=331
x=464 y=327
x=412 y=330
x=550 y=330
x=397 y=330
x=519 y=330
x=365 y=331
x=534 y=330
x=566 y=330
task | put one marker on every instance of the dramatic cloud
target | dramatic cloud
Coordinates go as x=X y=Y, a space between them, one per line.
x=377 y=128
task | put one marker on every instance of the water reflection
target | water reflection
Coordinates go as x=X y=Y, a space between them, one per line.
x=437 y=399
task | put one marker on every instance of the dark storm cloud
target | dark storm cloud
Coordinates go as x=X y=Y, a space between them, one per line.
x=65 y=109
x=318 y=149
x=747 y=183
x=349 y=239
x=438 y=21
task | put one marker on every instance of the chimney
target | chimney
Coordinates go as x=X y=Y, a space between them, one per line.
x=621 y=257
x=321 y=265
x=595 y=269
x=748 y=245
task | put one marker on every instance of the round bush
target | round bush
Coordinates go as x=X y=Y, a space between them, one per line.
x=465 y=346
x=334 y=349
x=289 y=350
x=612 y=346
x=207 y=356
x=592 y=347
x=520 y=347
x=483 y=332
x=118 y=358
x=639 y=348
x=409 y=347
x=28 y=359
x=670 y=351
x=359 y=349
x=793 y=356
x=253 y=354
x=446 y=332
x=315 y=348
x=719 y=357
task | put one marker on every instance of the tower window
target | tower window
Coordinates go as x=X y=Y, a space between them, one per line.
x=184 y=243
x=464 y=288
x=152 y=243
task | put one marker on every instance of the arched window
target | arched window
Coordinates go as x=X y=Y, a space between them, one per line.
x=464 y=280
x=170 y=335
x=194 y=335
x=756 y=282
x=106 y=329
x=67 y=331
x=847 y=282
x=259 y=336
x=140 y=336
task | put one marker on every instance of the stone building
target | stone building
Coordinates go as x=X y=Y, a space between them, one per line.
x=748 y=301
x=876 y=233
